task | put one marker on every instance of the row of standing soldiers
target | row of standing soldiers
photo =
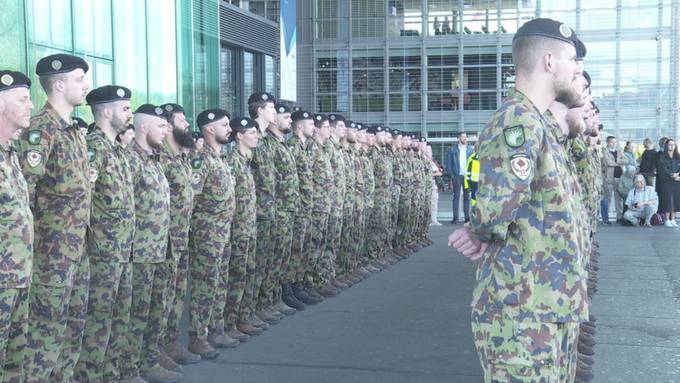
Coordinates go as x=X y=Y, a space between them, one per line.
x=107 y=241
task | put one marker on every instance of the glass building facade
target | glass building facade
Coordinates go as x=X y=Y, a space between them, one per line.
x=439 y=67
x=163 y=50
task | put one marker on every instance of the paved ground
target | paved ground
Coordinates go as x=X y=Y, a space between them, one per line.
x=411 y=323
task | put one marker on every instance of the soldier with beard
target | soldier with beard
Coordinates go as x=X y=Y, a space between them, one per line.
x=109 y=236
x=152 y=222
x=209 y=244
x=178 y=171
x=531 y=284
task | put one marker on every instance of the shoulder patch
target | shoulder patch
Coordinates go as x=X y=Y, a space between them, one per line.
x=91 y=155
x=34 y=158
x=514 y=136
x=196 y=163
x=520 y=164
x=34 y=137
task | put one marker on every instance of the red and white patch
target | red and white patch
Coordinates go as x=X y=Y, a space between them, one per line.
x=33 y=158
x=93 y=175
x=520 y=165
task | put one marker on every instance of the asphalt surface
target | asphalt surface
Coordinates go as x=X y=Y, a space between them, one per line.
x=410 y=323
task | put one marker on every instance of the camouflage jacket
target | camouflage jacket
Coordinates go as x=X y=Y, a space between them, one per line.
x=264 y=174
x=382 y=171
x=350 y=182
x=322 y=177
x=16 y=223
x=338 y=187
x=304 y=170
x=213 y=191
x=178 y=171
x=152 y=203
x=369 y=177
x=245 y=214
x=53 y=157
x=287 y=183
x=533 y=269
x=359 y=178
x=112 y=220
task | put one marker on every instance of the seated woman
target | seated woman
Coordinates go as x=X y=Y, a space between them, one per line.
x=642 y=202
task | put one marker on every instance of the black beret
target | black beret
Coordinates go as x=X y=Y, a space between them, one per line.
x=335 y=118
x=59 y=63
x=80 y=122
x=580 y=49
x=361 y=126
x=319 y=119
x=211 y=115
x=10 y=80
x=297 y=109
x=375 y=129
x=260 y=97
x=170 y=108
x=547 y=28
x=282 y=108
x=108 y=93
x=588 y=80
x=388 y=130
x=395 y=132
x=422 y=139
x=299 y=115
x=351 y=124
x=196 y=134
x=151 y=110
x=240 y=124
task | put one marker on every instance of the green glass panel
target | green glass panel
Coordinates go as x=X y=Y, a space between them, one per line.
x=12 y=35
x=162 y=51
x=92 y=31
x=129 y=46
x=50 y=23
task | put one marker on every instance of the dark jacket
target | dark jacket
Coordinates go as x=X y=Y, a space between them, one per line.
x=666 y=166
x=648 y=161
x=452 y=160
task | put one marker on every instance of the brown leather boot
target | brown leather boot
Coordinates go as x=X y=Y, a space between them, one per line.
x=249 y=329
x=283 y=308
x=328 y=291
x=267 y=317
x=235 y=334
x=257 y=322
x=167 y=363
x=202 y=348
x=222 y=341
x=180 y=354
x=338 y=285
x=158 y=374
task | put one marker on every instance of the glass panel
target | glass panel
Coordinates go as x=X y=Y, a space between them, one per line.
x=129 y=48
x=368 y=58
x=480 y=17
x=481 y=58
x=598 y=19
x=404 y=18
x=228 y=80
x=363 y=8
x=11 y=32
x=404 y=79
x=442 y=101
x=611 y=4
x=327 y=81
x=480 y=78
x=270 y=75
x=602 y=73
x=35 y=53
x=368 y=103
x=640 y=49
x=405 y=57
x=558 y=4
x=327 y=103
x=442 y=79
x=605 y=50
x=51 y=23
x=248 y=74
x=507 y=77
x=162 y=52
x=92 y=32
x=638 y=72
x=638 y=97
x=405 y=102
x=327 y=8
x=327 y=29
x=634 y=18
x=368 y=80
x=479 y=101
x=566 y=16
x=442 y=56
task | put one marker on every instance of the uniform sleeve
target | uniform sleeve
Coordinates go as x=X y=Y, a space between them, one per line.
x=508 y=155
x=34 y=150
x=94 y=153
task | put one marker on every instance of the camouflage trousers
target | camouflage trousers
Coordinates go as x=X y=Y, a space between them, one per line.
x=326 y=271
x=242 y=262
x=342 y=261
x=259 y=284
x=318 y=227
x=56 y=320
x=520 y=351
x=393 y=218
x=358 y=233
x=376 y=230
x=403 y=218
x=298 y=249
x=108 y=318
x=177 y=292
x=13 y=329
x=207 y=249
x=282 y=233
x=148 y=298
x=220 y=295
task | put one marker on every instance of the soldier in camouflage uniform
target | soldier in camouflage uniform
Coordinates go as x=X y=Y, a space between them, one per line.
x=344 y=257
x=303 y=129
x=210 y=229
x=261 y=109
x=531 y=283
x=321 y=207
x=53 y=156
x=178 y=171
x=369 y=188
x=16 y=229
x=109 y=237
x=379 y=221
x=243 y=231
x=287 y=201
x=152 y=222
x=393 y=153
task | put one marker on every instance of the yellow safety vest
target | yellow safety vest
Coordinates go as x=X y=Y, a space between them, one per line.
x=472 y=173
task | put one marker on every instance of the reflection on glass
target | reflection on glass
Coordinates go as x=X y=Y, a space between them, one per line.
x=270 y=75
x=405 y=18
x=130 y=48
x=162 y=52
x=228 y=81
x=51 y=22
x=598 y=19
x=92 y=32
x=11 y=32
x=248 y=74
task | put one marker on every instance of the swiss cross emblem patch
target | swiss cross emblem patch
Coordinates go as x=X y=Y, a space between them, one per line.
x=520 y=165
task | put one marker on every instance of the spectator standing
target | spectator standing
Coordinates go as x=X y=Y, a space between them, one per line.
x=668 y=181
x=648 y=162
x=456 y=164
x=612 y=161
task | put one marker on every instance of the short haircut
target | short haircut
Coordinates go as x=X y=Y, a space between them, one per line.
x=97 y=109
x=47 y=81
x=297 y=124
x=527 y=50
x=609 y=138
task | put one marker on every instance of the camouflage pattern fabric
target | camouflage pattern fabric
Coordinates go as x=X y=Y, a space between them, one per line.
x=380 y=216
x=13 y=329
x=321 y=205
x=345 y=254
x=337 y=191
x=53 y=157
x=301 y=235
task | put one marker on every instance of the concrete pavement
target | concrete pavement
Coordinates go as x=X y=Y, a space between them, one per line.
x=410 y=323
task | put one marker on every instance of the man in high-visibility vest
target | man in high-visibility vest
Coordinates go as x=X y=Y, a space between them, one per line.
x=472 y=177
